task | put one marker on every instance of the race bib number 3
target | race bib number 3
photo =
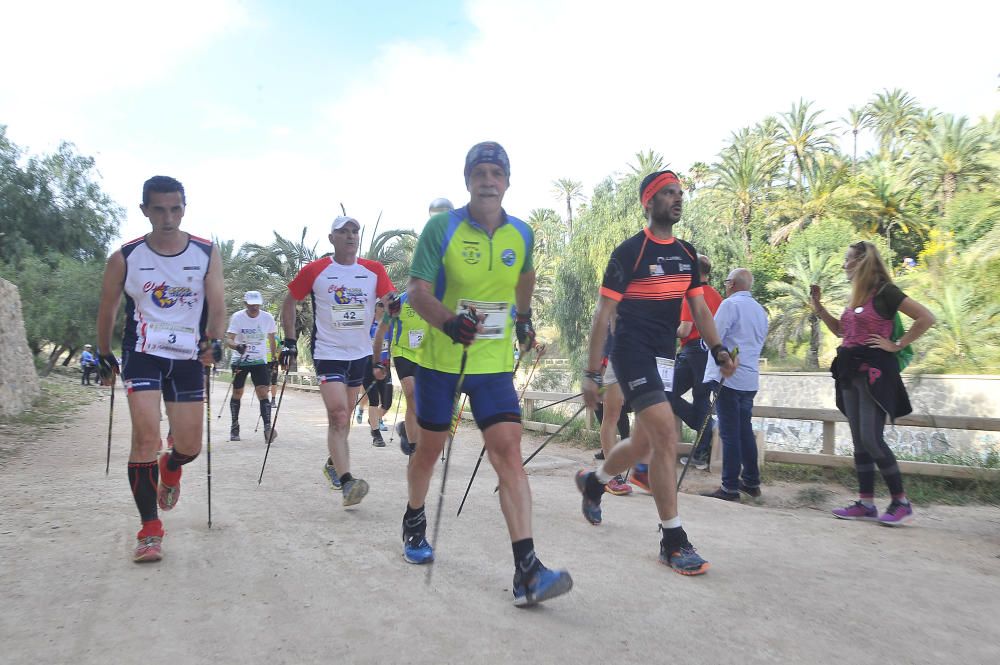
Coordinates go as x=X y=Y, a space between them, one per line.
x=179 y=340
x=665 y=368
x=497 y=314
x=351 y=315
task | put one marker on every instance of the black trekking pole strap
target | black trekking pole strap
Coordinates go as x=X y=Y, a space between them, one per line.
x=447 y=461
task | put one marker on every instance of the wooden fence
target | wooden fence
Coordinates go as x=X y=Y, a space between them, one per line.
x=829 y=417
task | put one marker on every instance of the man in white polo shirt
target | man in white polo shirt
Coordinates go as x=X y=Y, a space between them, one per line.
x=742 y=324
x=251 y=336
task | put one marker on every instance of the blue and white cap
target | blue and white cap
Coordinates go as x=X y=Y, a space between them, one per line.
x=488 y=152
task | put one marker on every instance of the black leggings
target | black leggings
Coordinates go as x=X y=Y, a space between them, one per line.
x=867 y=421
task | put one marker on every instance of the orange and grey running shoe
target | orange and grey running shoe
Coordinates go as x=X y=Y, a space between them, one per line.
x=618 y=486
x=148 y=548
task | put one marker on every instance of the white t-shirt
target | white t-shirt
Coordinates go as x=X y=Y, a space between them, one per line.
x=343 y=300
x=253 y=331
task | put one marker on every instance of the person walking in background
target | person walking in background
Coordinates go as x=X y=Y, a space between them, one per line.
x=866 y=372
x=689 y=372
x=88 y=363
x=742 y=324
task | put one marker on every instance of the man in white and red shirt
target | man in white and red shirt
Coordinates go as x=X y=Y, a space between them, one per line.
x=343 y=290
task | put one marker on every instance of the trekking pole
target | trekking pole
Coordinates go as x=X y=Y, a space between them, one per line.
x=546 y=442
x=564 y=399
x=456 y=418
x=230 y=387
x=111 y=420
x=208 y=437
x=277 y=410
x=447 y=461
x=701 y=432
x=395 y=417
x=479 y=461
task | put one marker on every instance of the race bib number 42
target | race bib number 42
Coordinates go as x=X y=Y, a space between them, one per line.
x=350 y=315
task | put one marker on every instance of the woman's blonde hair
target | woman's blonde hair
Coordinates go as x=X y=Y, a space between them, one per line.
x=870 y=273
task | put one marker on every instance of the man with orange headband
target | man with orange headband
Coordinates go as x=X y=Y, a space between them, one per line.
x=645 y=283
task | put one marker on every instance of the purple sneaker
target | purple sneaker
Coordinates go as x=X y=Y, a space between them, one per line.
x=897 y=513
x=857 y=511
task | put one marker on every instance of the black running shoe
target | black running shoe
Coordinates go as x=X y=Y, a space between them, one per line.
x=404 y=443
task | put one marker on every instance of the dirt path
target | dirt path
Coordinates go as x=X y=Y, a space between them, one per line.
x=287 y=575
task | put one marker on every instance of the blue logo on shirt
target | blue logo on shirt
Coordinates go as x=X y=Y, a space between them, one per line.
x=508 y=257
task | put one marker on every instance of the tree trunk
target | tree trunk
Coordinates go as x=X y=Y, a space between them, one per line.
x=812 y=358
x=53 y=358
x=69 y=356
x=569 y=216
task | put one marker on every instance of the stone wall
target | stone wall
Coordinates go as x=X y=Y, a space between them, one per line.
x=18 y=379
x=932 y=394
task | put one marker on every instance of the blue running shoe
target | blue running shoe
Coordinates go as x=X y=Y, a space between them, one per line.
x=542 y=585
x=591 y=508
x=416 y=549
x=331 y=474
x=404 y=442
x=684 y=560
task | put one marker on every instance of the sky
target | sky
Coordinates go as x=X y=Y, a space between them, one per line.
x=273 y=114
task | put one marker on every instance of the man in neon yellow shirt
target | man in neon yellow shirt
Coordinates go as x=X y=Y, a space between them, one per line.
x=471 y=271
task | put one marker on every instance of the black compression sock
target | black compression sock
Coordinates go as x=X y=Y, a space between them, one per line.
x=265 y=412
x=144 y=478
x=594 y=488
x=524 y=556
x=414 y=519
x=347 y=477
x=234 y=409
x=176 y=460
x=674 y=538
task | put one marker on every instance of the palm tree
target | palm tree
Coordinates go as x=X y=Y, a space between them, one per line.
x=952 y=155
x=855 y=121
x=889 y=200
x=569 y=191
x=278 y=264
x=803 y=136
x=698 y=175
x=830 y=192
x=893 y=116
x=744 y=174
x=791 y=311
x=394 y=250
x=647 y=162
x=550 y=245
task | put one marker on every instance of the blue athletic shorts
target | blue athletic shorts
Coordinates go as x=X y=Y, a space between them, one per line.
x=179 y=380
x=351 y=372
x=492 y=397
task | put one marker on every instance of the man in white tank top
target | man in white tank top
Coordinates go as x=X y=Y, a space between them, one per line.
x=174 y=318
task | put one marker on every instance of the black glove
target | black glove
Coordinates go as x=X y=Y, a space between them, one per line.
x=462 y=327
x=524 y=330
x=393 y=304
x=289 y=351
x=108 y=367
x=241 y=349
x=716 y=351
x=217 y=351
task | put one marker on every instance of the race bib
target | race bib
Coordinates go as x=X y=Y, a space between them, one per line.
x=665 y=368
x=179 y=341
x=496 y=313
x=350 y=315
x=416 y=337
x=255 y=344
